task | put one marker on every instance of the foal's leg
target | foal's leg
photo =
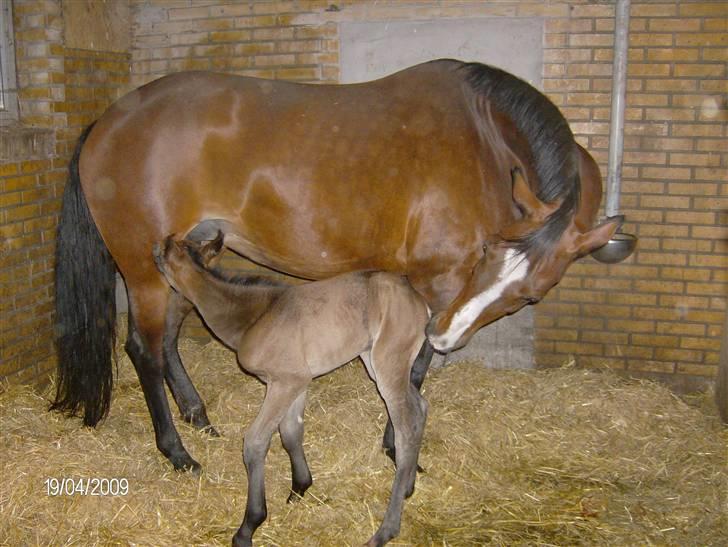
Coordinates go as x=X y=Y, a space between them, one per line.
x=408 y=412
x=417 y=378
x=279 y=397
x=185 y=395
x=291 y=430
x=144 y=345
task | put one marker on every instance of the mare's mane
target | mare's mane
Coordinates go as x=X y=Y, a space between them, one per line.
x=553 y=149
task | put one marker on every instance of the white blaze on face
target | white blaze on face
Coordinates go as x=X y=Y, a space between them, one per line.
x=513 y=269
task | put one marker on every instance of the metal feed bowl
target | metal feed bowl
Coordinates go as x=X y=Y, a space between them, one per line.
x=617 y=249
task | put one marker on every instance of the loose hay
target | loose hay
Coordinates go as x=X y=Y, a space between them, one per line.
x=541 y=457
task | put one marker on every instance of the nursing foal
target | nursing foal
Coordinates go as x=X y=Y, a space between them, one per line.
x=286 y=335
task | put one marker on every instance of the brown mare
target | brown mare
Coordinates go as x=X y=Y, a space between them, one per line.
x=409 y=174
x=288 y=335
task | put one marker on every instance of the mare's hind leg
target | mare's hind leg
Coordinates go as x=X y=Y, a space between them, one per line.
x=279 y=397
x=145 y=348
x=417 y=378
x=185 y=395
x=291 y=430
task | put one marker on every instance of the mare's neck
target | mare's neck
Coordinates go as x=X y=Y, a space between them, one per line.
x=229 y=308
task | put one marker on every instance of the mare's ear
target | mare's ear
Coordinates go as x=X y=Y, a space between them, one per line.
x=527 y=201
x=593 y=239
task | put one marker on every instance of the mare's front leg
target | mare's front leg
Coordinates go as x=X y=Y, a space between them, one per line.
x=417 y=377
x=291 y=430
x=279 y=397
x=144 y=345
x=188 y=400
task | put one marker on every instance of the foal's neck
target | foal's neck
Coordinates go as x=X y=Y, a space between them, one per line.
x=230 y=306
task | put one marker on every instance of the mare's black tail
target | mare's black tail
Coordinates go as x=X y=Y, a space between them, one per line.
x=721 y=382
x=85 y=306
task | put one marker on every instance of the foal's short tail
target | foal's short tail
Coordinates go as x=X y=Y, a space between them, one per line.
x=85 y=306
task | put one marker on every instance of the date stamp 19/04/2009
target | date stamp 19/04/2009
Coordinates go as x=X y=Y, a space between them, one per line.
x=86 y=486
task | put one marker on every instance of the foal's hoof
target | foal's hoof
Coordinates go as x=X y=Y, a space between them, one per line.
x=293 y=497
x=210 y=430
x=393 y=456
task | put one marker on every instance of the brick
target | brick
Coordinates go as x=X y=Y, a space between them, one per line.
x=702 y=39
x=666 y=341
x=674 y=354
x=694 y=159
x=670 y=85
x=703 y=9
x=595 y=323
x=566 y=295
x=716 y=289
x=608 y=363
x=604 y=337
x=651 y=39
x=651 y=366
x=557 y=334
x=714 y=54
x=660 y=24
x=665 y=9
x=302 y=73
x=603 y=310
x=691 y=329
x=663 y=230
x=689 y=245
x=697 y=369
x=716 y=25
x=672 y=54
x=701 y=343
x=716 y=261
x=628 y=350
x=631 y=325
x=626 y=299
x=667 y=259
x=578 y=348
x=665 y=202
x=716 y=145
x=700 y=70
x=684 y=303
x=591 y=40
x=659 y=286
x=669 y=173
x=692 y=188
x=690 y=217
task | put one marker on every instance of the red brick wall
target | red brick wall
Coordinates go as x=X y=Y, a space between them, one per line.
x=659 y=313
x=60 y=90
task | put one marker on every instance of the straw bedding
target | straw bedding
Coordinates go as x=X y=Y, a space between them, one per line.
x=556 y=457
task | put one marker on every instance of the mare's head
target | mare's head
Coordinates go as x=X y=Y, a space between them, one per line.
x=519 y=266
x=176 y=257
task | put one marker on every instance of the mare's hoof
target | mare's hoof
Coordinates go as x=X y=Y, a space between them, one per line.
x=187 y=465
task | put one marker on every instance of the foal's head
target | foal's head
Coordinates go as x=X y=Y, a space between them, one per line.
x=517 y=268
x=177 y=257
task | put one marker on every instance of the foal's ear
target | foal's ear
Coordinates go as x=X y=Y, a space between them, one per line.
x=212 y=250
x=527 y=201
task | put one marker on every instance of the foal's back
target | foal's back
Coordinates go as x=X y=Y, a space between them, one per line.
x=330 y=322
